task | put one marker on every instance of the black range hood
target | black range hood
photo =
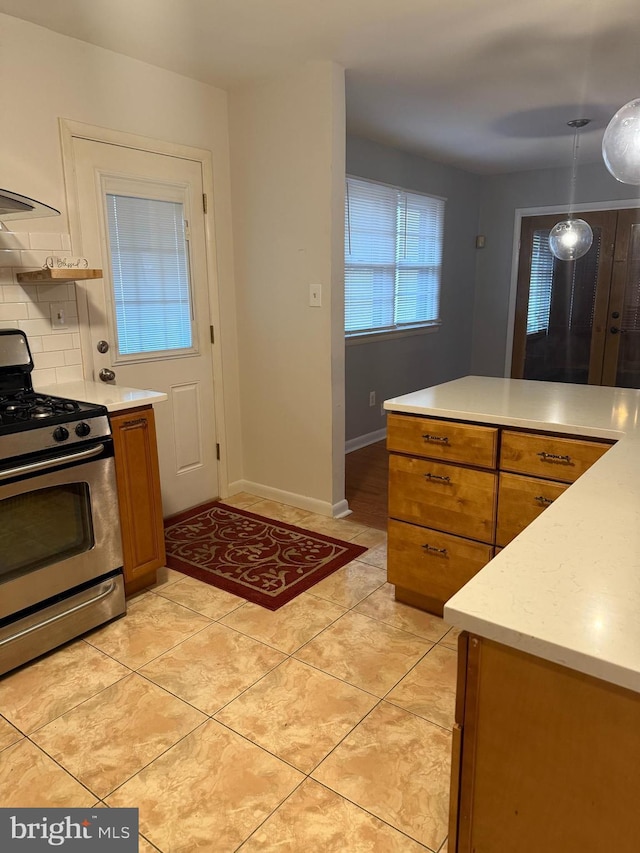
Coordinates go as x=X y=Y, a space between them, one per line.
x=14 y=206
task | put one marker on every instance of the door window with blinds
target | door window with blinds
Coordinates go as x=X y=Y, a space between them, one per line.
x=393 y=258
x=152 y=306
x=579 y=321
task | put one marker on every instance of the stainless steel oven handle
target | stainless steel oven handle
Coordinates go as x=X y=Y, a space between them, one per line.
x=51 y=463
x=107 y=592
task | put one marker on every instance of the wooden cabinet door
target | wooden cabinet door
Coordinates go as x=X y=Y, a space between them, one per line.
x=447 y=441
x=136 y=459
x=445 y=497
x=521 y=500
x=432 y=564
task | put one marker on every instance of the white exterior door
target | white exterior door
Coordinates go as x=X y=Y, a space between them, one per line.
x=142 y=221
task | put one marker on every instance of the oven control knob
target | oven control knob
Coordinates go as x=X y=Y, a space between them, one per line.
x=82 y=429
x=60 y=433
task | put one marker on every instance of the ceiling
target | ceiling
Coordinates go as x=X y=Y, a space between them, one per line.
x=486 y=85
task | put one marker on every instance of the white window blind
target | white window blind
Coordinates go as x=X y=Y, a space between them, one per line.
x=150 y=268
x=393 y=257
x=541 y=283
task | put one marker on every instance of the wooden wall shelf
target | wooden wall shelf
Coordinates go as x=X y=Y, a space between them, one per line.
x=49 y=276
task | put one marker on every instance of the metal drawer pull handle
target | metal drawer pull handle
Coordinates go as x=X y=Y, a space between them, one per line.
x=443 y=438
x=433 y=550
x=555 y=456
x=437 y=477
x=44 y=464
x=545 y=501
x=52 y=619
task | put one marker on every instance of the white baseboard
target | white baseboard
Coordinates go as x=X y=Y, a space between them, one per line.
x=338 y=510
x=364 y=440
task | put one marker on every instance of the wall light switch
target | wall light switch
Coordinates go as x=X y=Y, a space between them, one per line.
x=315 y=295
x=58 y=316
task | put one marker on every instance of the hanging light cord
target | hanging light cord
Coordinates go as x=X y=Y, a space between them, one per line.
x=577 y=124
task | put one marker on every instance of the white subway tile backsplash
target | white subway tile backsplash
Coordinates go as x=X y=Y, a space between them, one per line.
x=13 y=311
x=38 y=310
x=13 y=240
x=19 y=292
x=72 y=356
x=52 y=293
x=48 y=359
x=45 y=241
x=59 y=341
x=43 y=377
x=10 y=258
x=57 y=354
x=36 y=327
x=37 y=259
x=69 y=374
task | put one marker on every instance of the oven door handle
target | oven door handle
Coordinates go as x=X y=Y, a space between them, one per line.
x=50 y=621
x=44 y=464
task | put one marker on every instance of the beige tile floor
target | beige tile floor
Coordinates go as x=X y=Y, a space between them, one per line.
x=322 y=727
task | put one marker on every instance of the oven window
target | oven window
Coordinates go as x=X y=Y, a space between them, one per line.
x=43 y=527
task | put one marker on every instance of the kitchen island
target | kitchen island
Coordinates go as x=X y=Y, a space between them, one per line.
x=547 y=734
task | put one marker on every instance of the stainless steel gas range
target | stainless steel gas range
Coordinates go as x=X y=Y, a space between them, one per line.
x=60 y=546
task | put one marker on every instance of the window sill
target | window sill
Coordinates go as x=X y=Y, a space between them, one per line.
x=372 y=337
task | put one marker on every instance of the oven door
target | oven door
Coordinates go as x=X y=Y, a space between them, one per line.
x=59 y=528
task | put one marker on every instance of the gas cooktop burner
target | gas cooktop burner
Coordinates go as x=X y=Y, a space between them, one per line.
x=25 y=406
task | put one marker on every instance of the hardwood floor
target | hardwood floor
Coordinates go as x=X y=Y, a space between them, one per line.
x=366 y=485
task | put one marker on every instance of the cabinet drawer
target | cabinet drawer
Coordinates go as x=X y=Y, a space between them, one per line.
x=445 y=440
x=548 y=456
x=521 y=500
x=446 y=497
x=431 y=563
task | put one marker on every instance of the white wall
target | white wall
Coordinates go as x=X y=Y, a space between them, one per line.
x=395 y=366
x=45 y=76
x=287 y=167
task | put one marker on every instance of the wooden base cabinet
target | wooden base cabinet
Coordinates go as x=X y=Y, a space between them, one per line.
x=544 y=758
x=457 y=490
x=138 y=478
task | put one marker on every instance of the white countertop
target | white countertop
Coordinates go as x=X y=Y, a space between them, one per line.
x=567 y=589
x=115 y=397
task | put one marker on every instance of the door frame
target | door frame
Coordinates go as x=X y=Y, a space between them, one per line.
x=519 y=214
x=70 y=130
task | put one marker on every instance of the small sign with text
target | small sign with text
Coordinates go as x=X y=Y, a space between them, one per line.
x=74 y=830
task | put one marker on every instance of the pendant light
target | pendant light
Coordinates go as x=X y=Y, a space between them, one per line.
x=621 y=144
x=572 y=238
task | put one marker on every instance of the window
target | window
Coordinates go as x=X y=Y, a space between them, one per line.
x=540 y=283
x=150 y=269
x=393 y=258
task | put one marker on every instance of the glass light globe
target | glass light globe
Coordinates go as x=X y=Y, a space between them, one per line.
x=570 y=239
x=621 y=144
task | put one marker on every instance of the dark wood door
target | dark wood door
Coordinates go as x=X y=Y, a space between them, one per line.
x=622 y=349
x=561 y=308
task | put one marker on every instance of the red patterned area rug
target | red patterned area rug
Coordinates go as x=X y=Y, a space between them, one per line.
x=265 y=561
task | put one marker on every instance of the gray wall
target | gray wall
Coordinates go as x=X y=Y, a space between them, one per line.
x=397 y=366
x=500 y=197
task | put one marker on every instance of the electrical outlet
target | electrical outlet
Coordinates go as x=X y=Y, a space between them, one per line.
x=372 y=398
